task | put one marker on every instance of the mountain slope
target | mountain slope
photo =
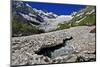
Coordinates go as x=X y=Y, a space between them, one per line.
x=24 y=14
x=86 y=16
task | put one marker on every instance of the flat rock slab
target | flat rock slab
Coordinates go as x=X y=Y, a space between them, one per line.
x=23 y=48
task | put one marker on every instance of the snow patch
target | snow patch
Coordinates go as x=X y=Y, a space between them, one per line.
x=28 y=5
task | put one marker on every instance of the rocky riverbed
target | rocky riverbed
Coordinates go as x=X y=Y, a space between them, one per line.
x=76 y=44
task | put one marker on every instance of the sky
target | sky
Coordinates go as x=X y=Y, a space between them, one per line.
x=59 y=9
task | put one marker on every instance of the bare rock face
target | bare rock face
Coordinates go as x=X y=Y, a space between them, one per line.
x=50 y=47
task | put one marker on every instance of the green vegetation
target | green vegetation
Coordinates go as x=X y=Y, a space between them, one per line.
x=87 y=21
x=24 y=29
x=64 y=26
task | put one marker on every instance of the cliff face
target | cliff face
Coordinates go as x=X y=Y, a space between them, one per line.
x=69 y=45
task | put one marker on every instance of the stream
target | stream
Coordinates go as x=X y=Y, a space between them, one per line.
x=60 y=50
x=65 y=50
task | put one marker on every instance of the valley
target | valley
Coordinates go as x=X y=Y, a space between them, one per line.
x=43 y=37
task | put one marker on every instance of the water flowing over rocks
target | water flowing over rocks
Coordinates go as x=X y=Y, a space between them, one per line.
x=80 y=48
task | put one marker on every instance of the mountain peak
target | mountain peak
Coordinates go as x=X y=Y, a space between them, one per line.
x=45 y=20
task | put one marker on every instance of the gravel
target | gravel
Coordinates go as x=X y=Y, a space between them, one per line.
x=82 y=45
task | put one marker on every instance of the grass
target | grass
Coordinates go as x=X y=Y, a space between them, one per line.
x=64 y=26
